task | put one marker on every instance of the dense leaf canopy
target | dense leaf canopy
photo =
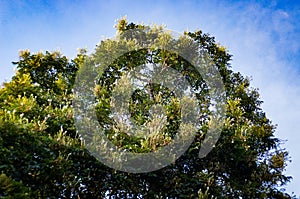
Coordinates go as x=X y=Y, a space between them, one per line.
x=42 y=155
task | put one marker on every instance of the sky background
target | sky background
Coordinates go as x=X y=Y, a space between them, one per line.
x=262 y=36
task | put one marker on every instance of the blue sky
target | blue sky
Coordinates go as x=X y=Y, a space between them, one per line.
x=262 y=36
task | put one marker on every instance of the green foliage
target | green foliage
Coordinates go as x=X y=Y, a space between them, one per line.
x=42 y=156
x=11 y=189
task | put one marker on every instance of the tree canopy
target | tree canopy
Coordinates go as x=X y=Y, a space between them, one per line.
x=44 y=156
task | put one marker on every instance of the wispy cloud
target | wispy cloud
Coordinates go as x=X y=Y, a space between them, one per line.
x=264 y=42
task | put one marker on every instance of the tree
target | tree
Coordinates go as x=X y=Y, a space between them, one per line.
x=44 y=155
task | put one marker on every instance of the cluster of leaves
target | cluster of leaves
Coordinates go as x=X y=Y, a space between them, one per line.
x=43 y=157
x=38 y=143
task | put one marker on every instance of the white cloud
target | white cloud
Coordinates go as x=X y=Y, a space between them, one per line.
x=260 y=47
